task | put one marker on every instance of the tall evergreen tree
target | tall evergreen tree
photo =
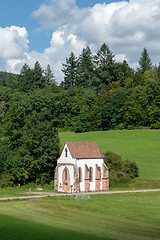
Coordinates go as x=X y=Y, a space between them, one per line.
x=49 y=76
x=85 y=67
x=145 y=61
x=70 y=71
x=104 y=63
x=38 y=78
x=104 y=58
x=25 y=80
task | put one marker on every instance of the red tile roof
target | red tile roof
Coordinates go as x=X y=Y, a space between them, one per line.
x=84 y=150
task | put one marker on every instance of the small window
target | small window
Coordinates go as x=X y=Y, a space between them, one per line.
x=66 y=152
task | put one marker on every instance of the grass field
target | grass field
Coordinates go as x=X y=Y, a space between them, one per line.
x=141 y=146
x=119 y=216
x=19 y=191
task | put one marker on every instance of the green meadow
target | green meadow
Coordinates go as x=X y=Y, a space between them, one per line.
x=111 y=217
x=117 y=216
x=141 y=146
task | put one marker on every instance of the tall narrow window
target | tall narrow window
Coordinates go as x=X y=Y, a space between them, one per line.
x=100 y=173
x=66 y=152
x=65 y=174
x=91 y=174
x=80 y=174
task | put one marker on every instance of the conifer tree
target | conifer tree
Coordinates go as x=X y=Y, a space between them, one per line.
x=104 y=58
x=104 y=62
x=145 y=61
x=49 y=76
x=25 y=80
x=85 y=67
x=70 y=71
x=38 y=78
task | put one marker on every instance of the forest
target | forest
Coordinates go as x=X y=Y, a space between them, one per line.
x=97 y=93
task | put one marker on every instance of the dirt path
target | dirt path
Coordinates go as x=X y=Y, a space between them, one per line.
x=92 y=193
x=46 y=194
x=24 y=197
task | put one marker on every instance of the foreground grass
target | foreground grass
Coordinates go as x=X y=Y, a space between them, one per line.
x=141 y=146
x=120 y=216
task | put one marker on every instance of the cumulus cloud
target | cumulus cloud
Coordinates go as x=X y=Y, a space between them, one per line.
x=13 y=42
x=126 y=26
x=58 y=13
x=13 y=46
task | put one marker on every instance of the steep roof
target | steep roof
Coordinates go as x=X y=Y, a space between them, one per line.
x=84 y=150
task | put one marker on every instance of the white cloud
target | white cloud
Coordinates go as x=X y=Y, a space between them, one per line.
x=13 y=42
x=59 y=13
x=13 y=46
x=127 y=27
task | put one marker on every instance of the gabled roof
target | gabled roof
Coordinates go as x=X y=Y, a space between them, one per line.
x=84 y=150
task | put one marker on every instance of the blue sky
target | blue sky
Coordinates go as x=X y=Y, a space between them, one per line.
x=48 y=30
x=19 y=13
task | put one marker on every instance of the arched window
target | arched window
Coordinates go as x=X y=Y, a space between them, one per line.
x=91 y=174
x=65 y=174
x=66 y=152
x=80 y=174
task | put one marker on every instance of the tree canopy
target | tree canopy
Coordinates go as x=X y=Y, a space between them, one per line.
x=97 y=93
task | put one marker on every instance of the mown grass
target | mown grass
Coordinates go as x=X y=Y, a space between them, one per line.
x=118 y=216
x=141 y=146
x=19 y=191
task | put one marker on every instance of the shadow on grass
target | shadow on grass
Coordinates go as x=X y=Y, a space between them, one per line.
x=16 y=229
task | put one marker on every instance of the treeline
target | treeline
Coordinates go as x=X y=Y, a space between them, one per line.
x=97 y=93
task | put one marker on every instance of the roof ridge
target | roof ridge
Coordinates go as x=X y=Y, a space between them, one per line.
x=84 y=149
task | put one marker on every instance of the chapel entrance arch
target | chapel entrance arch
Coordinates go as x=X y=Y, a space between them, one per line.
x=66 y=180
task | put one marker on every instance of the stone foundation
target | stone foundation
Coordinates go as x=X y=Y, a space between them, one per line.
x=56 y=179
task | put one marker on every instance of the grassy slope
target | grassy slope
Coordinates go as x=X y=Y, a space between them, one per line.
x=141 y=146
x=120 y=216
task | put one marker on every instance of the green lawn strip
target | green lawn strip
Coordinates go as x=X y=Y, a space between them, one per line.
x=119 y=216
x=136 y=184
x=140 y=146
x=12 y=228
x=19 y=191
x=9 y=193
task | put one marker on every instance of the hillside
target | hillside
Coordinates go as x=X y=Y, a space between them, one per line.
x=140 y=146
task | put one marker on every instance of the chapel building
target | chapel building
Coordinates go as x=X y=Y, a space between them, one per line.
x=81 y=168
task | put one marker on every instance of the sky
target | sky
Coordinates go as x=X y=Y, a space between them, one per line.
x=48 y=30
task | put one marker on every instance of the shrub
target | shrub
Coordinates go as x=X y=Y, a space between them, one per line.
x=120 y=168
x=134 y=169
x=6 y=180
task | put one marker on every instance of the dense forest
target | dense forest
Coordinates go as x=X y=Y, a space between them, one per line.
x=97 y=93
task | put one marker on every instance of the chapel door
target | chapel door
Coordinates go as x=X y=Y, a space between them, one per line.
x=66 y=188
x=66 y=180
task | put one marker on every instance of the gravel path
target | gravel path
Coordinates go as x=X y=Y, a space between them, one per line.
x=92 y=193
x=46 y=194
x=24 y=197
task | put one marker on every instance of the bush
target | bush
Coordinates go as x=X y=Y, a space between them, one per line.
x=120 y=168
x=133 y=169
x=6 y=180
